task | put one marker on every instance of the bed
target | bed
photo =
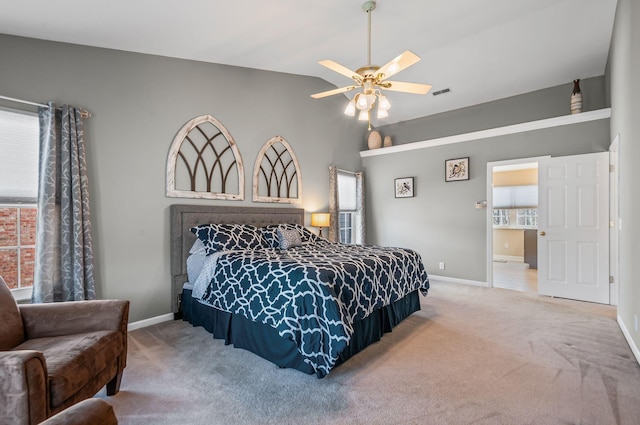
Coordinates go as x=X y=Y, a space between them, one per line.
x=309 y=306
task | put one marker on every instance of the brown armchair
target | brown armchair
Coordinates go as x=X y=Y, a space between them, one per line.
x=55 y=355
x=92 y=411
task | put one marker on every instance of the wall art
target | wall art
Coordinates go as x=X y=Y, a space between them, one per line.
x=404 y=187
x=456 y=169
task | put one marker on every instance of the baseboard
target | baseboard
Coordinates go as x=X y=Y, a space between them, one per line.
x=627 y=336
x=456 y=280
x=149 y=322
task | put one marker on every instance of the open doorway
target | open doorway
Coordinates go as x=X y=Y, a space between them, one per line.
x=512 y=201
x=572 y=225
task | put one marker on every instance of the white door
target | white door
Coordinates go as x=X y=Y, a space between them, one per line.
x=573 y=227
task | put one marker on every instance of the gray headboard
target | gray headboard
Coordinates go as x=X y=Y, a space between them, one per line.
x=184 y=217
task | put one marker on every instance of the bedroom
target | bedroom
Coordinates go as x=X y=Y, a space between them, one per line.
x=139 y=101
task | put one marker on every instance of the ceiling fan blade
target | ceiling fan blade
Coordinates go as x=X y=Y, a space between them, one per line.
x=332 y=92
x=335 y=66
x=403 y=61
x=406 y=87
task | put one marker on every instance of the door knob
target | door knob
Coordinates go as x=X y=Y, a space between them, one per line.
x=543 y=233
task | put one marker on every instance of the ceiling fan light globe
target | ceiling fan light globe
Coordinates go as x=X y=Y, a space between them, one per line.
x=382 y=113
x=371 y=100
x=362 y=103
x=363 y=115
x=383 y=103
x=350 y=110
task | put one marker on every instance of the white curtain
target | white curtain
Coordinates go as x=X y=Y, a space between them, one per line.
x=64 y=246
x=355 y=201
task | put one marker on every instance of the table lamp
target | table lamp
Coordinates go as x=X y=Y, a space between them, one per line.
x=320 y=220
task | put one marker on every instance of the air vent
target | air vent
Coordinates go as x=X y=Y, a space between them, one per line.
x=443 y=91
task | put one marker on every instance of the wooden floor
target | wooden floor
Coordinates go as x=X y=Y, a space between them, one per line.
x=516 y=276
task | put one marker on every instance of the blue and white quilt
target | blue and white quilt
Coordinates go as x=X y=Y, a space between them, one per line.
x=311 y=294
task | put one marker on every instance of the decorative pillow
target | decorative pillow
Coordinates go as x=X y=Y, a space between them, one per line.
x=226 y=237
x=288 y=238
x=269 y=233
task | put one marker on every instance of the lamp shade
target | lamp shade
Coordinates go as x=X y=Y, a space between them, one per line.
x=351 y=108
x=320 y=219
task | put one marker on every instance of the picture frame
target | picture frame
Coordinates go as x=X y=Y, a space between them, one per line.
x=404 y=187
x=456 y=169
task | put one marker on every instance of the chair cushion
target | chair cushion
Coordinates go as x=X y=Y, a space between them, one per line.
x=74 y=360
x=11 y=331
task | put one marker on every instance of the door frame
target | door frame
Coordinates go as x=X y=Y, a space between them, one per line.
x=489 y=222
x=614 y=219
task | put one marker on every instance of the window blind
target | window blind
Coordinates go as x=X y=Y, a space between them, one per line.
x=19 y=134
x=346 y=192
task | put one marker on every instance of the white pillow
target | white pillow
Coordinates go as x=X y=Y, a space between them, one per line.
x=198 y=247
x=195 y=261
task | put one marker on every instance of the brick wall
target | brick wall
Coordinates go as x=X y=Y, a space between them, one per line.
x=13 y=219
x=8 y=227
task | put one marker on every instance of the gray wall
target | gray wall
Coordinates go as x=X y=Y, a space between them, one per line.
x=541 y=104
x=139 y=102
x=623 y=68
x=441 y=222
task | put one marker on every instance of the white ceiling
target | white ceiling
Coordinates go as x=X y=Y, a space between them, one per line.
x=482 y=50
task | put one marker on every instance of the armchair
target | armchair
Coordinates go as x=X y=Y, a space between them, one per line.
x=55 y=355
x=92 y=411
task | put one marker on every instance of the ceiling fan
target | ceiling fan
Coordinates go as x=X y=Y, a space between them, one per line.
x=372 y=79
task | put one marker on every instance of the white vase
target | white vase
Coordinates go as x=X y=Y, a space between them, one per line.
x=375 y=140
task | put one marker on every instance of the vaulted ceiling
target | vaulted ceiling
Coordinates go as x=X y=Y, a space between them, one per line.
x=481 y=50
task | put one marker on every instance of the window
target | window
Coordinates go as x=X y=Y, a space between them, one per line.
x=347 y=206
x=17 y=245
x=501 y=217
x=19 y=133
x=527 y=217
x=346 y=227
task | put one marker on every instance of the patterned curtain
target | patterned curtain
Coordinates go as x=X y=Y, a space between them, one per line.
x=334 y=207
x=64 y=247
x=361 y=219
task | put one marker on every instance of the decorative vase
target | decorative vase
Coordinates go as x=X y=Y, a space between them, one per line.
x=387 y=141
x=375 y=140
x=576 y=98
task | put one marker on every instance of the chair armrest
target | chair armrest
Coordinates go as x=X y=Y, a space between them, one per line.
x=73 y=317
x=91 y=411
x=24 y=389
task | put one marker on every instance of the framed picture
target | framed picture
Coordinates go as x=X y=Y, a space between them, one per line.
x=404 y=187
x=456 y=169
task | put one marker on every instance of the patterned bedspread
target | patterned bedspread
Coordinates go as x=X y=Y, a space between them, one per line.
x=312 y=294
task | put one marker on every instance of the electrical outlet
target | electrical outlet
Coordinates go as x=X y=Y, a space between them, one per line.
x=506 y=245
x=441 y=267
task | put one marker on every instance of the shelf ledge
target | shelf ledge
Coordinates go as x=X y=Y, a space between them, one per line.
x=599 y=114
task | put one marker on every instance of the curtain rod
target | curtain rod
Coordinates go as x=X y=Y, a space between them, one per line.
x=347 y=171
x=83 y=113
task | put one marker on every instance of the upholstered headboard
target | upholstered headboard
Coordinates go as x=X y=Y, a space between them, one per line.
x=184 y=217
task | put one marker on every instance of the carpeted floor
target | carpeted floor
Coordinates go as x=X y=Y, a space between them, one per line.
x=472 y=355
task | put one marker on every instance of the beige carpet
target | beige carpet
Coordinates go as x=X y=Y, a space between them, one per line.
x=471 y=356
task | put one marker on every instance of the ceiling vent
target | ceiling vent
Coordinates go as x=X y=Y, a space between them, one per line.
x=443 y=91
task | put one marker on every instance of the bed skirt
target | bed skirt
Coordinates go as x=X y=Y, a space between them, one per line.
x=265 y=341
